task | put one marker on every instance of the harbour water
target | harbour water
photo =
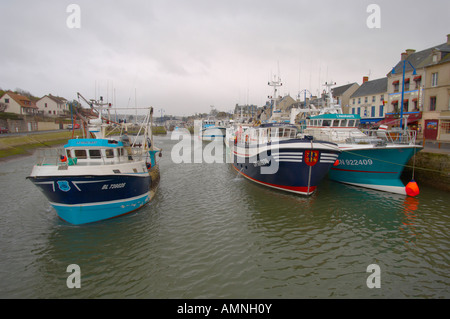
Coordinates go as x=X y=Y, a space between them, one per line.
x=210 y=233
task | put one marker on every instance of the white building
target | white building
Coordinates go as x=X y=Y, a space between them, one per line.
x=50 y=105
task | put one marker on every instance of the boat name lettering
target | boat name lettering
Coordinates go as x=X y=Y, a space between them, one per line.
x=353 y=162
x=113 y=186
x=262 y=162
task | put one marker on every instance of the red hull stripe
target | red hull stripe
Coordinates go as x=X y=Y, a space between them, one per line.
x=356 y=171
x=299 y=189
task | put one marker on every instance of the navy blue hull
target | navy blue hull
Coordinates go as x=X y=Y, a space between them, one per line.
x=295 y=169
x=87 y=199
x=72 y=190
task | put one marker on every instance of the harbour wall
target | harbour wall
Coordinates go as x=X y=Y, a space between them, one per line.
x=429 y=168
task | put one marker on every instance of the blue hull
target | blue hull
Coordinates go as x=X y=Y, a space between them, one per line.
x=86 y=199
x=375 y=168
x=294 y=173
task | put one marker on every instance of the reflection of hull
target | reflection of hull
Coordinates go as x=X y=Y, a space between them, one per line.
x=90 y=198
x=294 y=165
x=375 y=168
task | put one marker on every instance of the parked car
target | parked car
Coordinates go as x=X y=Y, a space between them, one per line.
x=76 y=126
x=3 y=130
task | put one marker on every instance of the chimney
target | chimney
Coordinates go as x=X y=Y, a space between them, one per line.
x=448 y=39
x=410 y=51
x=365 y=79
x=403 y=56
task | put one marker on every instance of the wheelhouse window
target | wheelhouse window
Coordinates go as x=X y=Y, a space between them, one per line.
x=343 y=123
x=95 y=154
x=80 y=154
x=109 y=153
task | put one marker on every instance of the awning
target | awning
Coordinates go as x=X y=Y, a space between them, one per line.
x=418 y=78
x=394 y=118
x=396 y=82
x=394 y=102
x=370 y=121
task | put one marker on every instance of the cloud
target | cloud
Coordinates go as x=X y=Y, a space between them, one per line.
x=186 y=55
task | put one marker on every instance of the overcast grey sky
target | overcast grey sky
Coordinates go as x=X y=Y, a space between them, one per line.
x=185 y=55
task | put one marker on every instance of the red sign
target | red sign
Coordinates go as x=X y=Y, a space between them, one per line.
x=311 y=157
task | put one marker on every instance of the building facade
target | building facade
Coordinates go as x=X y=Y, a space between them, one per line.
x=54 y=106
x=368 y=101
x=19 y=104
x=342 y=95
x=424 y=78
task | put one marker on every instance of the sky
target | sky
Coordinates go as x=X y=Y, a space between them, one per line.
x=186 y=56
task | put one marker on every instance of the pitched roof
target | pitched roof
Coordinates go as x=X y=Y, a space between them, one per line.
x=337 y=91
x=421 y=59
x=371 y=87
x=23 y=101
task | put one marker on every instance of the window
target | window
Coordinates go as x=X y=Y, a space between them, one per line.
x=434 y=79
x=353 y=110
x=382 y=98
x=433 y=103
x=109 y=153
x=326 y=122
x=407 y=85
x=80 y=154
x=354 y=101
x=343 y=123
x=396 y=85
x=45 y=104
x=373 y=98
x=405 y=105
x=381 y=111
x=372 y=113
x=351 y=123
x=6 y=100
x=359 y=111
x=359 y=100
x=95 y=154
x=365 y=99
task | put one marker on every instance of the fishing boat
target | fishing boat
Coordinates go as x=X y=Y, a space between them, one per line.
x=98 y=177
x=274 y=155
x=212 y=129
x=371 y=158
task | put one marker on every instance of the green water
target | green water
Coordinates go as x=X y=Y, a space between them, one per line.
x=210 y=233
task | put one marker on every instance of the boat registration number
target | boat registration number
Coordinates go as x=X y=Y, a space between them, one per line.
x=352 y=162
x=114 y=186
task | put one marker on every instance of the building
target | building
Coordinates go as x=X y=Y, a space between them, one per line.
x=342 y=95
x=436 y=94
x=50 y=105
x=19 y=104
x=368 y=101
x=425 y=91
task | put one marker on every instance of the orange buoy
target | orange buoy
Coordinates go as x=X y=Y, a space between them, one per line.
x=412 y=189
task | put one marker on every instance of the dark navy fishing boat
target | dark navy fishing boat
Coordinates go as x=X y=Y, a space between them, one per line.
x=97 y=178
x=275 y=155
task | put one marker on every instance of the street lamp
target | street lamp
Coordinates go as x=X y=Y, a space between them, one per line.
x=403 y=87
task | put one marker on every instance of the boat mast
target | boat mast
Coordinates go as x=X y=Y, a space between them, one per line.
x=275 y=83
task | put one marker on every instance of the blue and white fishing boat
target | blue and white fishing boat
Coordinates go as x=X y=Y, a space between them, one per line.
x=370 y=158
x=274 y=155
x=212 y=129
x=96 y=178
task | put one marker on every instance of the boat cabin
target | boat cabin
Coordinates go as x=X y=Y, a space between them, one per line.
x=334 y=121
x=79 y=151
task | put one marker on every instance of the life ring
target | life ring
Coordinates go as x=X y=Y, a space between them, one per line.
x=63 y=158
